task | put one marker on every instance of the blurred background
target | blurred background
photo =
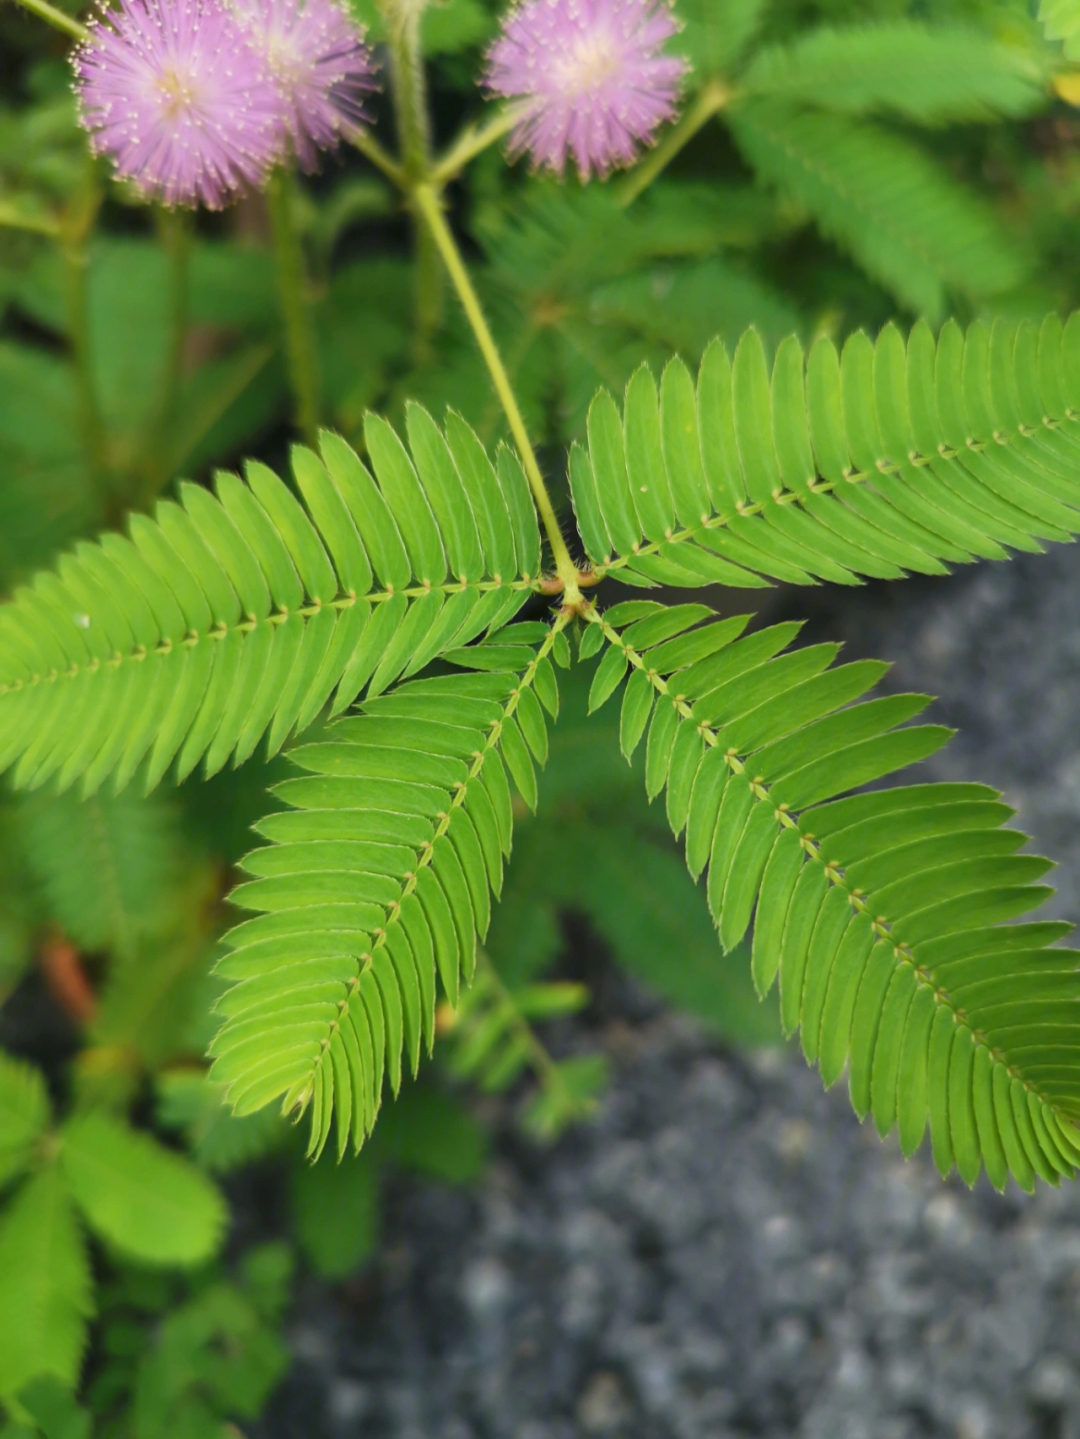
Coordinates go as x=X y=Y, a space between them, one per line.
x=615 y=1204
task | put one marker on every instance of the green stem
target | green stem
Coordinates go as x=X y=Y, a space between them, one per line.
x=369 y=146
x=473 y=141
x=430 y=207
x=300 y=345
x=428 y=296
x=44 y=11
x=543 y=1066
x=414 y=135
x=710 y=101
x=12 y=219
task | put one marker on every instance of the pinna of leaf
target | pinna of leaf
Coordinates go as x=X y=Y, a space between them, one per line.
x=885 y=916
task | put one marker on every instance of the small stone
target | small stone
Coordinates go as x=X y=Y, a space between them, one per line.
x=1053 y=1381
x=603 y=1407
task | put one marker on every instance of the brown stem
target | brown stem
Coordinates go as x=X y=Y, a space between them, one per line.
x=67 y=981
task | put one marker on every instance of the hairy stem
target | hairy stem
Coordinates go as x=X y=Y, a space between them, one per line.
x=414 y=135
x=473 y=141
x=430 y=207
x=56 y=18
x=366 y=143
x=710 y=101
x=300 y=345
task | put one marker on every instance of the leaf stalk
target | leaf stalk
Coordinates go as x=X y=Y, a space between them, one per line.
x=429 y=205
x=473 y=141
x=710 y=101
x=56 y=18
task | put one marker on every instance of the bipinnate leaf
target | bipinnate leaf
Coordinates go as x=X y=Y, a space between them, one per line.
x=717 y=32
x=239 y=615
x=104 y=865
x=885 y=915
x=896 y=455
x=375 y=885
x=885 y=201
x=929 y=74
x=45 y=1288
x=24 y=1114
x=146 y=1201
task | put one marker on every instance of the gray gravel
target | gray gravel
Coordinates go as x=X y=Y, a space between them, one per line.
x=724 y=1251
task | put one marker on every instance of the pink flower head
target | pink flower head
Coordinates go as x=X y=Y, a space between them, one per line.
x=317 y=54
x=175 y=95
x=594 y=78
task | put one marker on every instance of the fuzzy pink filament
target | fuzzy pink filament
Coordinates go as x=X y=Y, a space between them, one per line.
x=317 y=54
x=174 y=94
x=594 y=78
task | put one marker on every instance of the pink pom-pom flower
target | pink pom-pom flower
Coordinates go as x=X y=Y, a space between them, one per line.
x=592 y=76
x=173 y=92
x=318 y=56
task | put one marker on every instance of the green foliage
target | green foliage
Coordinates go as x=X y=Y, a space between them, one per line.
x=575 y=279
x=947 y=73
x=390 y=586
x=45 y=1291
x=105 y=866
x=493 y=1042
x=880 y=197
x=379 y=877
x=180 y=1359
x=146 y=1202
x=337 y=1212
x=717 y=32
x=336 y=1203
x=597 y=848
x=889 y=457
x=220 y=1141
x=426 y=1130
x=25 y=1107
x=883 y=915
x=1061 y=21
x=53 y=1410
x=231 y=617
x=216 y=1355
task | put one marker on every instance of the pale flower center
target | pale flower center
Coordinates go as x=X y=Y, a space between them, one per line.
x=284 y=56
x=177 y=91
x=593 y=62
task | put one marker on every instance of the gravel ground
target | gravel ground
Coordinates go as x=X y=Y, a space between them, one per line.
x=724 y=1252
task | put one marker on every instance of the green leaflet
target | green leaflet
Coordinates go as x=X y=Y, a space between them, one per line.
x=376 y=879
x=140 y=1197
x=1060 y=20
x=45 y=1284
x=949 y=72
x=881 y=914
x=227 y=618
x=886 y=201
x=24 y=1114
x=896 y=456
